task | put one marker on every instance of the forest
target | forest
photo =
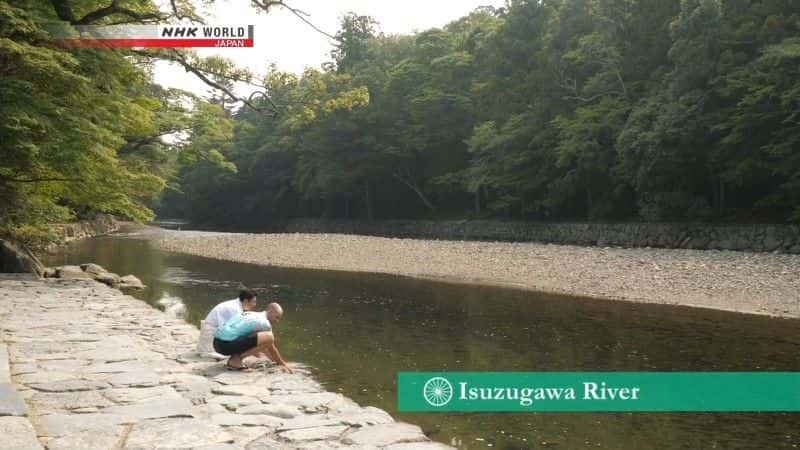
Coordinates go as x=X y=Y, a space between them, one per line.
x=542 y=110
x=579 y=110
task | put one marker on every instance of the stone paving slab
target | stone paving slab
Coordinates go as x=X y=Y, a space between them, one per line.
x=100 y=369
x=5 y=374
x=17 y=434
x=11 y=403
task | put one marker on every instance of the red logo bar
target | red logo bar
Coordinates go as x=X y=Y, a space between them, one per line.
x=155 y=43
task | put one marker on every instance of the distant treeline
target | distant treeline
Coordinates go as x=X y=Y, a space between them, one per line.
x=542 y=110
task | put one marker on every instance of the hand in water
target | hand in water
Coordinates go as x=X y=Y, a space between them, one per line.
x=286 y=368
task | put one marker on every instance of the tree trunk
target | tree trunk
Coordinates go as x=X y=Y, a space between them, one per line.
x=368 y=200
x=478 y=201
x=413 y=186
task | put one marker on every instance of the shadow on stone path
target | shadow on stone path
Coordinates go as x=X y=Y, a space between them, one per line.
x=98 y=369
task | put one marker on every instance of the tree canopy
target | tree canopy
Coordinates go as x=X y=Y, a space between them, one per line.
x=541 y=110
x=83 y=130
x=588 y=110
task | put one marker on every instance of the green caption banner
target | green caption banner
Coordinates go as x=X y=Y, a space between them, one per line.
x=598 y=391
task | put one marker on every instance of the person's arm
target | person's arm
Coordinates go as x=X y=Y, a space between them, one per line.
x=276 y=356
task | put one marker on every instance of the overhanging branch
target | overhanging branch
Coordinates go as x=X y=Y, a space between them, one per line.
x=302 y=15
x=115 y=9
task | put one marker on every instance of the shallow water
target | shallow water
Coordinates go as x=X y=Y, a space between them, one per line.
x=357 y=331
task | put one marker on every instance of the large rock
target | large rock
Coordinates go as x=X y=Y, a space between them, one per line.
x=130 y=282
x=15 y=258
x=94 y=269
x=108 y=278
x=72 y=273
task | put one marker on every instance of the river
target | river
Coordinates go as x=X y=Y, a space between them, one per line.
x=356 y=331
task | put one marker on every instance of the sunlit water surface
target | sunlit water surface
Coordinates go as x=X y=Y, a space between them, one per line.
x=357 y=331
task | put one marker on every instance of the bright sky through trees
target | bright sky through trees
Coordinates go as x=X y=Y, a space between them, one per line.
x=283 y=39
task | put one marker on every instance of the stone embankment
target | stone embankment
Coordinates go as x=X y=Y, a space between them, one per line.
x=95 y=272
x=749 y=237
x=90 y=368
x=83 y=229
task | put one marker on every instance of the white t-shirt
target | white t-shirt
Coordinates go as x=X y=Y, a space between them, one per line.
x=223 y=312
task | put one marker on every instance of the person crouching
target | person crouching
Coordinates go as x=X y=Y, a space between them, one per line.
x=218 y=316
x=248 y=334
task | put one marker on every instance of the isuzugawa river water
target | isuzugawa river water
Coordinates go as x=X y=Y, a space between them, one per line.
x=358 y=330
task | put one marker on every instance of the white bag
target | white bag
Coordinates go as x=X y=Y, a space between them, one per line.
x=205 y=344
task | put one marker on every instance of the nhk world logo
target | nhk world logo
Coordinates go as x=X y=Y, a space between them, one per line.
x=598 y=391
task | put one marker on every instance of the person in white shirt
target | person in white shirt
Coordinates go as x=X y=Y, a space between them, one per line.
x=217 y=318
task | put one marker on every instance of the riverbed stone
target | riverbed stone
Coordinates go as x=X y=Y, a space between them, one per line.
x=385 y=434
x=242 y=389
x=233 y=378
x=131 y=395
x=18 y=434
x=230 y=419
x=144 y=378
x=366 y=416
x=418 y=446
x=11 y=403
x=281 y=411
x=72 y=272
x=130 y=282
x=56 y=425
x=175 y=434
x=220 y=447
x=154 y=408
x=5 y=373
x=316 y=402
x=108 y=278
x=233 y=402
x=69 y=386
x=83 y=440
x=65 y=365
x=53 y=401
x=93 y=268
x=308 y=421
x=313 y=434
x=21 y=369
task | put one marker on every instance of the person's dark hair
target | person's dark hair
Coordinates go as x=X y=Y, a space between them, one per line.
x=246 y=294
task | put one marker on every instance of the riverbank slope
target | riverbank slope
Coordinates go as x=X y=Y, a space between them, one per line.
x=757 y=283
x=100 y=369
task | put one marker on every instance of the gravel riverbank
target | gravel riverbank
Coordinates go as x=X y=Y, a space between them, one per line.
x=758 y=283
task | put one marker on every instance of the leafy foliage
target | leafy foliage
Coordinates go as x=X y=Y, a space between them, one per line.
x=554 y=110
x=82 y=130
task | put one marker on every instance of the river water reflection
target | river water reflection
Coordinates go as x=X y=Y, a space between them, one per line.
x=357 y=331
